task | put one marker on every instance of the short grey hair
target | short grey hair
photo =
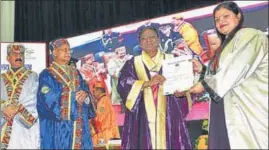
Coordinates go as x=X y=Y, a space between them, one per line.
x=16 y=46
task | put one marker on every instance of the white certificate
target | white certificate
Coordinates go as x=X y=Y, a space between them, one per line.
x=179 y=75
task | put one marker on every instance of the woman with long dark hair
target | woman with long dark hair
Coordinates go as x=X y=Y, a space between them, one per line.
x=237 y=83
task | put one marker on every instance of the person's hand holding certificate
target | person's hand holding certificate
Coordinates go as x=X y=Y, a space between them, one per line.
x=179 y=75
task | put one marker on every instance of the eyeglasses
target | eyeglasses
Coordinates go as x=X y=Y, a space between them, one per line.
x=66 y=50
x=17 y=54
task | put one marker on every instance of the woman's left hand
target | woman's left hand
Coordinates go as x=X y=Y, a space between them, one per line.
x=197 y=88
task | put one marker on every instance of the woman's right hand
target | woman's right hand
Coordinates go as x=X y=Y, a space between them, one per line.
x=197 y=66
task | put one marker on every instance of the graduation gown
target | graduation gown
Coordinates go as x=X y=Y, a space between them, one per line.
x=239 y=92
x=146 y=125
x=63 y=122
x=20 y=89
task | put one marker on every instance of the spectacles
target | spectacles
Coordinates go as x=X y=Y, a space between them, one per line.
x=17 y=54
x=66 y=50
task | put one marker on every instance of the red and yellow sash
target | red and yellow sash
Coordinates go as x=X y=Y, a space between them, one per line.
x=14 y=83
x=70 y=82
